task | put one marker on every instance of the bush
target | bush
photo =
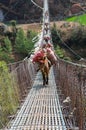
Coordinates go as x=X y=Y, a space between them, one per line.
x=8 y=94
x=13 y=22
x=6 y=57
x=55 y=36
x=67 y=58
x=78 y=37
x=59 y=52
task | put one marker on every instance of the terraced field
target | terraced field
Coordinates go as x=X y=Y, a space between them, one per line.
x=81 y=19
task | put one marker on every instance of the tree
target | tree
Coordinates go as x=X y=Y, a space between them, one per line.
x=8 y=46
x=6 y=50
x=21 y=42
x=24 y=44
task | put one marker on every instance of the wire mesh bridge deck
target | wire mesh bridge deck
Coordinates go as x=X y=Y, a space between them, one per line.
x=41 y=109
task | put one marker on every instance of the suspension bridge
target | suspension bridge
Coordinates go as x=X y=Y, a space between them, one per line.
x=41 y=109
x=44 y=107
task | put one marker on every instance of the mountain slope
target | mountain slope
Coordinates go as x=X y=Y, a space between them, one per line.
x=24 y=10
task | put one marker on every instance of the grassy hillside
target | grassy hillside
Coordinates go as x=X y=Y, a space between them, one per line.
x=81 y=19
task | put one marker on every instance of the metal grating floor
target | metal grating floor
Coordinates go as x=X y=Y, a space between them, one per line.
x=41 y=109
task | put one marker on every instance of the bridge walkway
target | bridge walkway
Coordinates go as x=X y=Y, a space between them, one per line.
x=41 y=109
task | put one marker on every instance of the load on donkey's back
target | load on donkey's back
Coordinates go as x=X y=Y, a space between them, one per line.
x=44 y=51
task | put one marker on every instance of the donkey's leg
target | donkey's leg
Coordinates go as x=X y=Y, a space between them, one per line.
x=47 y=79
x=44 y=79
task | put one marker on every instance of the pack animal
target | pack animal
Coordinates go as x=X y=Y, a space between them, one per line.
x=44 y=67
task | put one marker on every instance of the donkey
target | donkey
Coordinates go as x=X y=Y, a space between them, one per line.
x=44 y=67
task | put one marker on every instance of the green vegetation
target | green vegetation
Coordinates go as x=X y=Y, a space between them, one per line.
x=57 y=43
x=80 y=19
x=78 y=37
x=75 y=39
x=8 y=94
x=60 y=52
x=24 y=44
x=8 y=46
x=14 y=42
x=13 y=23
x=55 y=37
x=6 y=50
x=14 y=30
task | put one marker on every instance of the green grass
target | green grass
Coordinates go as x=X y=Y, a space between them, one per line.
x=81 y=19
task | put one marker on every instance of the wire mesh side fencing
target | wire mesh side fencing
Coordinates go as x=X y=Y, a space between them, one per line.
x=71 y=79
x=24 y=73
x=14 y=87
